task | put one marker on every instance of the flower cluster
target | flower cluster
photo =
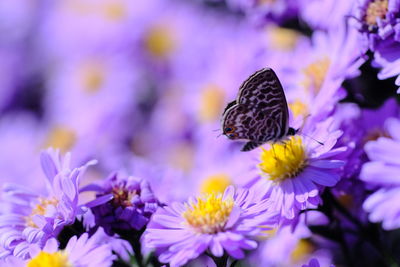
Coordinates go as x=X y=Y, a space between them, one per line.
x=113 y=154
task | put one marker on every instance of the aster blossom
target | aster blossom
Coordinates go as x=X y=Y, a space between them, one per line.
x=122 y=203
x=29 y=218
x=215 y=223
x=79 y=252
x=294 y=173
x=383 y=171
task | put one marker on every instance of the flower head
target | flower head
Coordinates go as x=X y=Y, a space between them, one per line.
x=122 y=203
x=30 y=218
x=228 y=222
x=383 y=170
x=293 y=173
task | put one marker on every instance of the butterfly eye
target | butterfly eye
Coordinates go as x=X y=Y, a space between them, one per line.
x=229 y=129
x=232 y=135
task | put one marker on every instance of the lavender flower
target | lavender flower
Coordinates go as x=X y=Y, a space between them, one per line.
x=293 y=174
x=214 y=223
x=79 y=252
x=122 y=203
x=29 y=218
x=379 y=23
x=383 y=171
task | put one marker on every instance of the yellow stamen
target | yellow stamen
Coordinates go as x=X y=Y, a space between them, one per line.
x=215 y=183
x=284 y=161
x=44 y=259
x=303 y=248
x=159 y=41
x=316 y=73
x=61 y=137
x=122 y=197
x=376 y=9
x=40 y=209
x=212 y=99
x=209 y=214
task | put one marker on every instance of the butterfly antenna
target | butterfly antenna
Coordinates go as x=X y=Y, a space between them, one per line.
x=312 y=139
x=215 y=130
x=218 y=135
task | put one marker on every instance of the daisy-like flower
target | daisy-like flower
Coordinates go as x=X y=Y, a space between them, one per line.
x=122 y=203
x=83 y=251
x=213 y=223
x=293 y=173
x=379 y=23
x=28 y=218
x=383 y=170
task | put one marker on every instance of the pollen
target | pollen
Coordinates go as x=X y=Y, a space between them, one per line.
x=211 y=103
x=209 y=214
x=40 y=209
x=44 y=259
x=114 y=11
x=376 y=9
x=159 y=41
x=283 y=161
x=123 y=196
x=216 y=183
x=315 y=74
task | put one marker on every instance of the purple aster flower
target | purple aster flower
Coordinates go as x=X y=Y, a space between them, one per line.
x=294 y=173
x=83 y=251
x=379 y=23
x=213 y=223
x=122 y=203
x=28 y=218
x=383 y=171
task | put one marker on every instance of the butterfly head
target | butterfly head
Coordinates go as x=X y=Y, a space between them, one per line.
x=229 y=131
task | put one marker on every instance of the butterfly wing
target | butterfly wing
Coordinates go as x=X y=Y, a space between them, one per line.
x=263 y=94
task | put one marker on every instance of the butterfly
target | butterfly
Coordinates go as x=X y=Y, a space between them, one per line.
x=260 y=112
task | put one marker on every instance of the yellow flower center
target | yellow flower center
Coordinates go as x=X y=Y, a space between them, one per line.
x=61 y=137
x=92 y=77
x=209 y=214
x=44 y=259
x=122 y=197
x=40 y=209
x=315 y=74
x=298 y=108
x=284 y=161
x=212 y=99
x=303 y=248
x=159 y=41
x=215 y=183
x=376 y=9
x=283 y=39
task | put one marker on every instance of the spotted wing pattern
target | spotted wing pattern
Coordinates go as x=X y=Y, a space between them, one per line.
x=260 y=113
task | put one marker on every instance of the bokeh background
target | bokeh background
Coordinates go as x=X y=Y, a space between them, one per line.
x=141 y=85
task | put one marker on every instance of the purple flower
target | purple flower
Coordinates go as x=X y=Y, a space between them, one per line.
x=228 y=222
x=383 y=171
x=28 y=218
x=379 y=23
x=122 y=203
x=294 y=173
x=83 y=251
